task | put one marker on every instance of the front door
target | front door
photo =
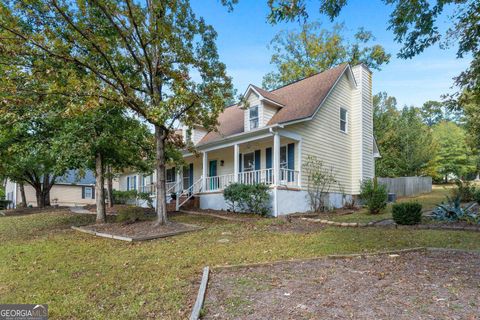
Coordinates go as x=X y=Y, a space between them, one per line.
x=187 y=176
x=212 y=172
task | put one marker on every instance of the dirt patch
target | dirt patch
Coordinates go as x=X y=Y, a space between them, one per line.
x=226 y=215
x=142 y=230
x=413 y=285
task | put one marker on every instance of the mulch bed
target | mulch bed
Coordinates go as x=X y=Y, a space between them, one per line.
x=114 y=210
x=138 y=231
x=27 y=211
x=409 y=285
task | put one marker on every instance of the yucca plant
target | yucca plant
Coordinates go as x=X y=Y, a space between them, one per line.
x=453 y=211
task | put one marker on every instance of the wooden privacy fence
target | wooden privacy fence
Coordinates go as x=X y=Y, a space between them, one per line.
x=407 y=186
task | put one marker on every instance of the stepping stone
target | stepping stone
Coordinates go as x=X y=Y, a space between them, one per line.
x=223 y=241
x=387 y=222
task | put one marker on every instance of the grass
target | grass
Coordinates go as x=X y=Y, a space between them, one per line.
x=428 y=201
x=84 y=277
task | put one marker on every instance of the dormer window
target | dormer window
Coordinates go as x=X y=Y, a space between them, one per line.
x=253 y=112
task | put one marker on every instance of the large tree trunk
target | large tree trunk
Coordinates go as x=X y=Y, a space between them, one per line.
x=40 y=196
x=99 y=189
x=23 y=204
x=46 y=186
x=110 y=186
x=161 y=198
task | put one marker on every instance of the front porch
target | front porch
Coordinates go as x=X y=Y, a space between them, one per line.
x=274 y=160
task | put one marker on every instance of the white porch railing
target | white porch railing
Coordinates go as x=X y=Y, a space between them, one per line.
x=219 y=182
x=151 y=188
x=289 y=177
x=264 y=176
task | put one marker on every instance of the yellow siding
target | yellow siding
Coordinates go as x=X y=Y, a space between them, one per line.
x=67 y=195
x=322 y=136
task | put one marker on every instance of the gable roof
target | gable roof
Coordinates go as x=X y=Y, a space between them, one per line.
x=269 y=95
x=299 y=99
x=73 y=177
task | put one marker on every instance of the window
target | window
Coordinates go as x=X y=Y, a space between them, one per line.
x=249 y=162
x=343 y=120
x=283 y=157
x=253 y=113
x=171 y=175
x=88 y=193
x=132 y=183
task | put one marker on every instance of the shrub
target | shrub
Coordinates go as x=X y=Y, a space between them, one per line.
x=407 y=213
x=4 y=204
x=146 y=197
x=319 y=180
x=124 y=197
x=476 y=196
x=466 y=190
x=130 y=214
x=247 y=198
x=374 y=196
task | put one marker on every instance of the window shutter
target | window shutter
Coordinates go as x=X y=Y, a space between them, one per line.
x=93 y=192
x=128 y=183
x=174 y=172
x=190 y=175
x=291 y=156
x=83 y=192
x=291 y=160
x=268 y=156
x=257 y=159
x=240 y=166
x=134 y=182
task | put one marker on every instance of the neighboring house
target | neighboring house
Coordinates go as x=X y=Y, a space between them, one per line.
x=327 y=115
x=68 y=190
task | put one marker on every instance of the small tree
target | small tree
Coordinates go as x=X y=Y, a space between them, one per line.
x=374 y=195
x=320 y=180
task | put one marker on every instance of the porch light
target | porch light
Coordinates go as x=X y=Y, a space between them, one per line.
x=222 y=163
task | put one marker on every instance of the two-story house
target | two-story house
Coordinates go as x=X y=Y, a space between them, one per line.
x=327 y=115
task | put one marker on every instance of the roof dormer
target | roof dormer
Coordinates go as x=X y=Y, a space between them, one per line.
x=261 y=107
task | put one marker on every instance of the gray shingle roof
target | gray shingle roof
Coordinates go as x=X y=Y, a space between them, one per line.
x=74 y=177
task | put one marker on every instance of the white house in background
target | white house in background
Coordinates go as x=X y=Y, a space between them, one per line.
x=327 y=115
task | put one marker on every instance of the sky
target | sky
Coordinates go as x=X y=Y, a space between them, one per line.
x=244 y=35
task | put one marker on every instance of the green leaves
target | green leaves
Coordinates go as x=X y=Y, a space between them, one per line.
x=302 y=53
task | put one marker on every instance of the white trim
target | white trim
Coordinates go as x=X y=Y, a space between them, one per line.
x=341 y=120
x=236 y=164
x=300 y=169
x=262 y=97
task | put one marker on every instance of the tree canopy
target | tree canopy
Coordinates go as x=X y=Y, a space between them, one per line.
x=405 y=142
x=156 y=58
x=302 y=53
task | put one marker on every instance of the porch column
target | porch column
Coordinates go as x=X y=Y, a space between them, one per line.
x=179 y=179
x=204 y=171
x=299 y=151
x=276 y=158
x=236 y=155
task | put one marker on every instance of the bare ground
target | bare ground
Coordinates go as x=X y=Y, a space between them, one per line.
x=141 y=229
x=414 y=285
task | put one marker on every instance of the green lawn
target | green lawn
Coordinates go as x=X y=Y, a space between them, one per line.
x=84 y=277
x=428 y=201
